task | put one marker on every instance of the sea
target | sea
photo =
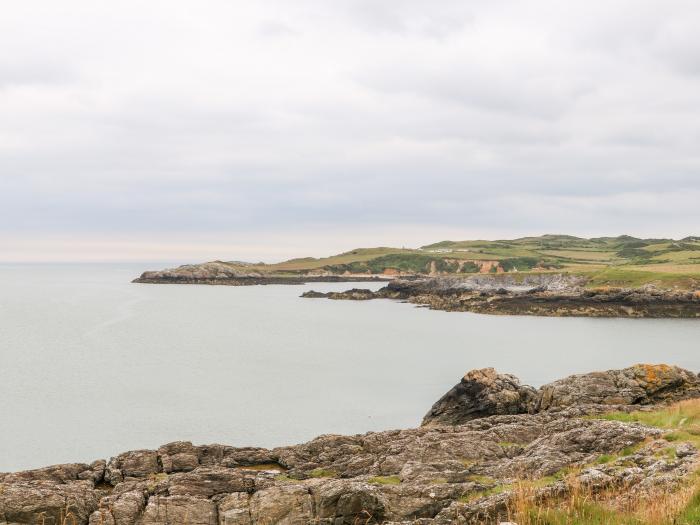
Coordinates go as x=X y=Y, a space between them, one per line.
x=92 y=365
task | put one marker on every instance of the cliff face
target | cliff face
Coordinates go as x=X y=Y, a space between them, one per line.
x=538 y=294
x=460 y=467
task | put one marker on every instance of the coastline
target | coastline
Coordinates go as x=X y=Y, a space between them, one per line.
x=261 y=281
x=575 y=302
x=485 y=445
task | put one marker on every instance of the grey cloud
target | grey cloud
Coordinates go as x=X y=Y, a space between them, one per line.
x=273 y=117
x=436 y=20
x=15 y=73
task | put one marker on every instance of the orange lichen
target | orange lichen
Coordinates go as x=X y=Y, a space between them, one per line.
x=653 y=373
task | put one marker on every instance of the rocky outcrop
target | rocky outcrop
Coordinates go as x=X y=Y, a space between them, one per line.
x=356 y=294
x=544 y=294
x=231 y=274
x=459 y=471
x=484 y=392
x=381 y=476
x=636 y=385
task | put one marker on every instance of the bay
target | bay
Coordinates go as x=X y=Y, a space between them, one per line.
x=93 y=365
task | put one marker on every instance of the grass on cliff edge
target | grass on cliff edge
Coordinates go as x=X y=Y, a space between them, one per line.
x=679 y=507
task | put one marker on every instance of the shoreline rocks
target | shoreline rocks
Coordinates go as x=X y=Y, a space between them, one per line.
x=481 y=393
x=457 y=468
x=543 y=294
x=485 y=392
x=219 y=273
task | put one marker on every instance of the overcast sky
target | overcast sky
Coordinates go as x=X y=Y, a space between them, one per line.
x=183 y=130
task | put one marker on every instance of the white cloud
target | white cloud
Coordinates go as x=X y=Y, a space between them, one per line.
x=149 y=120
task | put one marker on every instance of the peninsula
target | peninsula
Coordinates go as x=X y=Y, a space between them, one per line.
x=556 y=275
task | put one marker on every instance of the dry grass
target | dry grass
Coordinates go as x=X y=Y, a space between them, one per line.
x=582 y=506
x=617 y=505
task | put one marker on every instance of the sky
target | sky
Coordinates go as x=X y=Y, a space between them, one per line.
x=262 y=130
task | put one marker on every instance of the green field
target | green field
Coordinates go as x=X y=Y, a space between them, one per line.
x=608 y=261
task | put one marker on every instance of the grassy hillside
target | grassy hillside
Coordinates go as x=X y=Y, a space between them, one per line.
x=609 y=261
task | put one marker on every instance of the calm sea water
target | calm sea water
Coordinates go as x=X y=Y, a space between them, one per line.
x=93 y=365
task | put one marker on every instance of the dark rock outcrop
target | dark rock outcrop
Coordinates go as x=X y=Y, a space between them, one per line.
x=356 y=294
x=481 y=393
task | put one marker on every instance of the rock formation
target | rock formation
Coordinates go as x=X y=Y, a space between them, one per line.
x=223 y=273
x=484 y=392
x=457 y=468
x=636 y=385
x=481 y=393
x=545 y=294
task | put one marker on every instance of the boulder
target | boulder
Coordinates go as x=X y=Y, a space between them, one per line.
x=484 y=392
x=120 y=509
x=637 y=385
x=480 y=393
x=207 y=482
x=47 y=502
x=130 y=465
x=168 y=510
x=180 y=456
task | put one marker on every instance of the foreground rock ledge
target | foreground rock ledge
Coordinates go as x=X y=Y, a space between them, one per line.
x=483 y=434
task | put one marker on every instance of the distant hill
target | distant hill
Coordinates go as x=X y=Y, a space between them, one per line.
x=622 y=260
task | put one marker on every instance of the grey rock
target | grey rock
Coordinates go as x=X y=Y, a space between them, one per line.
x=134 y=464
x=168 y=510
x=637 y=385
x=432 y=475
x=180 y=456
x=481 y=393
x=46 y=501
x=485 y=392
x=685 y=450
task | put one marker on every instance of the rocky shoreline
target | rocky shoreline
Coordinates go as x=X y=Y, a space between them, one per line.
x=486 y=445
x=546 y=294
x=217 y=273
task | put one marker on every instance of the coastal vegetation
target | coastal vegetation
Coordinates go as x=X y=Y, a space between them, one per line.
x=622 y=261
x=552 y=275
x=582 y=506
